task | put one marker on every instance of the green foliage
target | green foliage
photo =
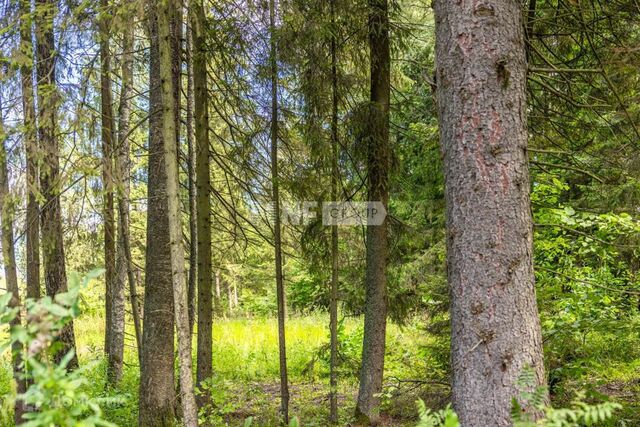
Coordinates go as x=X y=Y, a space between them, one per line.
x=219 y=405
x=7 y=393
x=293 y=422
x=56 y=393
x=443 y=418
x=584 y=181
x=531 y=395
x=579 y=414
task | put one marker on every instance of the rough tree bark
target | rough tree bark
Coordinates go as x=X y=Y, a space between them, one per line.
x=481 y=73
x=333 y=307
x=7 y=207
x=378 y=163
x=205 y=291
x=124 y=265
x=157 y=390
x=282 y=347
x=114 y=296
x=166 y=19
x=32 y=226
x=50 y=181
x=191 y=173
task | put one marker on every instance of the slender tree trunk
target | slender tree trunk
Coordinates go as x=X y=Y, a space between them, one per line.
x=333 y=306
x=166 y=19
x=50 y=181
x=481 y=71
x=191 y=170
x=284 y=381
x=235 y=295
x=114 y=296
x=124 y=265
x=218 y=303
x=31 y=150
x=157 y=390
x=205 y=292
x=7 y=206
x=529 y=27
x=375 y=314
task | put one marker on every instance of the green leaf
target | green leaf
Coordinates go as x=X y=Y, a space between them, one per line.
x=57 y=310
x=5 y=299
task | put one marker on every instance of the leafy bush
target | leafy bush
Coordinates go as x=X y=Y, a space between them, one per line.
x=219 y=405
x=579 y=414
x=443 y=418
x=56 y=393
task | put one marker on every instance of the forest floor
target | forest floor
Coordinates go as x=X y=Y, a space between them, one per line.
x=246 y=380
x=245 y=384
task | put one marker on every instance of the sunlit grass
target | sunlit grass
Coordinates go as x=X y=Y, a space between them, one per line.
x=246 y=366
x=248 y=348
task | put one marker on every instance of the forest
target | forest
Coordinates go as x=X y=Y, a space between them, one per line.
x=320 y=212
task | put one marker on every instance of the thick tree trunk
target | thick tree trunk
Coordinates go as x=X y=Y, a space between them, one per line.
x=50 y=182
x=166 y=19
x=114 y=295
x=282 y=347
x=32 y=225
x=333 y=305
x=7 y=206
x=481 y=72
x=124 y=266
x=205 y=291
x=375 y=311
x=157 y=389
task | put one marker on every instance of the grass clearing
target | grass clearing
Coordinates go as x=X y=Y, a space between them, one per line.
x=246 y=377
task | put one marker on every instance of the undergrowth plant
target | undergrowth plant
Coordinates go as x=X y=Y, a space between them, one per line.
x=579 y=414
x=218 y=405
x=56 y=394
x=443 y=418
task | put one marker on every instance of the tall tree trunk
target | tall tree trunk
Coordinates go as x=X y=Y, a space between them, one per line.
x=166 y=20
x=218 y=303
x=205 y=291
x=191 y=170
x=529 y=27
x=481 y=72
x=31 y=151
x=50 y=181
x=7 y=206
x=157 y=391
x=124 y=266
x=235 y=295
x=375 y=312
x=232 y=297
x=282 y=347
x=333 y=306
x=114 y=296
